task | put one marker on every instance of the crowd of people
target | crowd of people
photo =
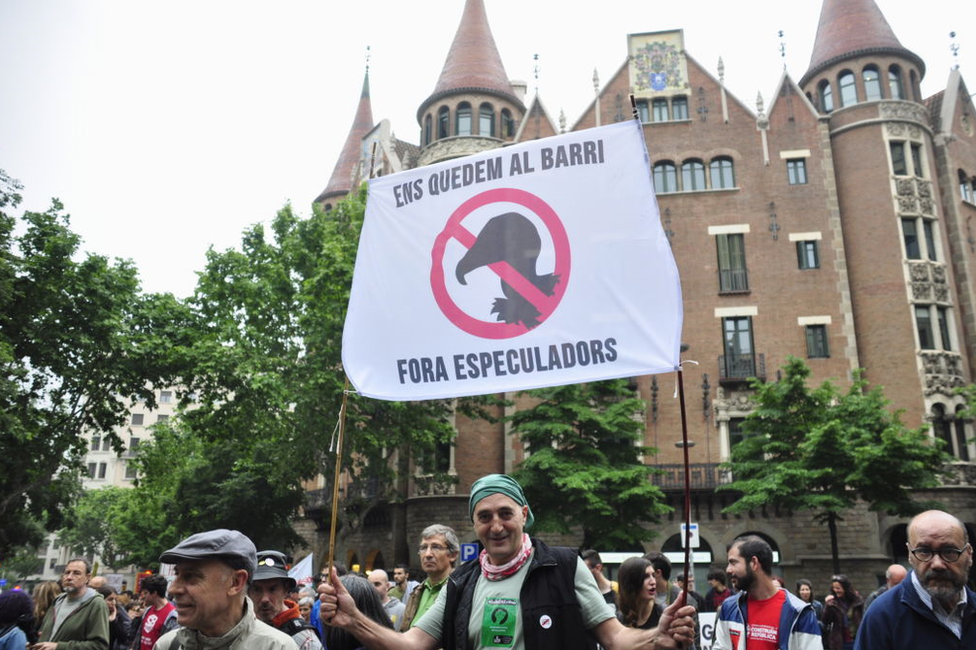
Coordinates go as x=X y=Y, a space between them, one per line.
x=520 y=594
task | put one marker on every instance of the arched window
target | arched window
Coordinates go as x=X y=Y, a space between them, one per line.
x=486 y=121
x=665 y=177
x=723 y=174
x=692 y=175
x=428 y=128
x=848 y=88
x=941 y=427
x=872 y=84
x=895 y=85
x=508 y=124
x=965 y=192
x=443 y=122
x=826 y=96
x=462 y=119
x=962 y=449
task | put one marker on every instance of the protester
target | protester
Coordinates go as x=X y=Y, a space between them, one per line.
x=213 y=570
x=305 y=606
x=842 y=614
x=894 y=574
x=44 y=595
x=718 y=592
x=523 y=580
x=761 y=615
x=16 y=620
x=637 y=589
x=932 y=607
x=438 y=551
x=404 y=586
x=268 y=591
x=79 y=617
x=804 y=589
x=608 y=587
x=368 y=602
x=119 y=623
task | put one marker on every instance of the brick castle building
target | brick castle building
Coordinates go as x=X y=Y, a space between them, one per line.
x=833 y=224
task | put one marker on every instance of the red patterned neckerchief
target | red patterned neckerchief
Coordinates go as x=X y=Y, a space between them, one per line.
x=494 y=573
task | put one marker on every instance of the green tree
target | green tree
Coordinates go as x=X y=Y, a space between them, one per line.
x=264 y=372
x=584 y=468
x=77 y=340
x=823 y=449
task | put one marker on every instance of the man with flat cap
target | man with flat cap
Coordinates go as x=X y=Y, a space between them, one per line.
x=269 y=588
x=521 y=594
x=213 y=570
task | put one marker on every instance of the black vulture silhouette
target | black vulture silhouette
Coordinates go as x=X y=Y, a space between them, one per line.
x=511 y=238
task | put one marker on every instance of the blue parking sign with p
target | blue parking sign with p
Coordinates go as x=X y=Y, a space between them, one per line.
x=469 y=551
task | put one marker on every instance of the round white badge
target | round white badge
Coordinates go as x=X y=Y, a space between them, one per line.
x=545 y=621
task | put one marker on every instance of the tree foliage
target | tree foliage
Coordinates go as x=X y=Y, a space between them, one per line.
x=584 y=468
x=77 y=340
x=261 y=388
x=821 y=450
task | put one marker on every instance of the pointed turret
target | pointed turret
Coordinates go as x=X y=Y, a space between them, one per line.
x=850 y=28
x=341 y=181
x=473 y=63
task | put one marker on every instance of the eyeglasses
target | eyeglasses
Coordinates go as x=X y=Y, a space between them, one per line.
x=923 y=554
x=434 y=548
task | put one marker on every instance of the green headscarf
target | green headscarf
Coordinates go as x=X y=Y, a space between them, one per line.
x=498 y=484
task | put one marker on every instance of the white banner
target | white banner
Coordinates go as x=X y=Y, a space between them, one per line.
x=539 y=264
x=302 y=572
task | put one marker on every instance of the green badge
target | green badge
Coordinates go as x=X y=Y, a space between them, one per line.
x=498 y=624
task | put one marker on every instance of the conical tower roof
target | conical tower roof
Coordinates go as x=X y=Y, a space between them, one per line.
x=341 y=181
x=473 y=63
x=850 y=28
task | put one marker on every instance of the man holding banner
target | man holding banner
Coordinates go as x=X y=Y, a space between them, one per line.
x=521 y=594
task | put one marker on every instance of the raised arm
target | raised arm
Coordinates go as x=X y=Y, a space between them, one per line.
x=338 y=609
x=676 y=629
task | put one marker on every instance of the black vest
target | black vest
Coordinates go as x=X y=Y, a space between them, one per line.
x=548 y=596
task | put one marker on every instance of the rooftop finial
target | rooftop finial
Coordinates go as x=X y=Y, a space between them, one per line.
x=721 y=71
x=954 y=48
x=782 y=48
x=535 y=71
x=367 y=59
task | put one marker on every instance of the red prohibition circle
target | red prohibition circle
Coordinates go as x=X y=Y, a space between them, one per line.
x=454 y=229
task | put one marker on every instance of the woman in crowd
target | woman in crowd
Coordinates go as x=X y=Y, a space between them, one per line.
x=368 y=602
x=842 y=614
x=43 y=595
x=16 y=620
x=804 y=589
x=305 y=607
x=118 y=622
x=637 y=589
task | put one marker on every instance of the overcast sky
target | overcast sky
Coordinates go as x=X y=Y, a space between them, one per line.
x=167 y=127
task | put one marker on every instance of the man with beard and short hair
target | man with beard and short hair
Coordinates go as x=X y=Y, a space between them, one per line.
x=159 y=616
x=78 y=618
x=404 y=586
x=761 y=615
x=932 y=607
x=269 y=590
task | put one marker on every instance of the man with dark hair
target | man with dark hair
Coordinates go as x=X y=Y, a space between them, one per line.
x=762 y=616
x=213 y=570
x=932 y=607
x=594 y=563
x=159 y=617
x=719 y=590
x=521 y=594
x=78 y=618
x=439 y=550
x=404 y=586
x=268 y=592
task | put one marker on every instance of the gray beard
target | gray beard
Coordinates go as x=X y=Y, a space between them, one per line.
x=947 y=595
